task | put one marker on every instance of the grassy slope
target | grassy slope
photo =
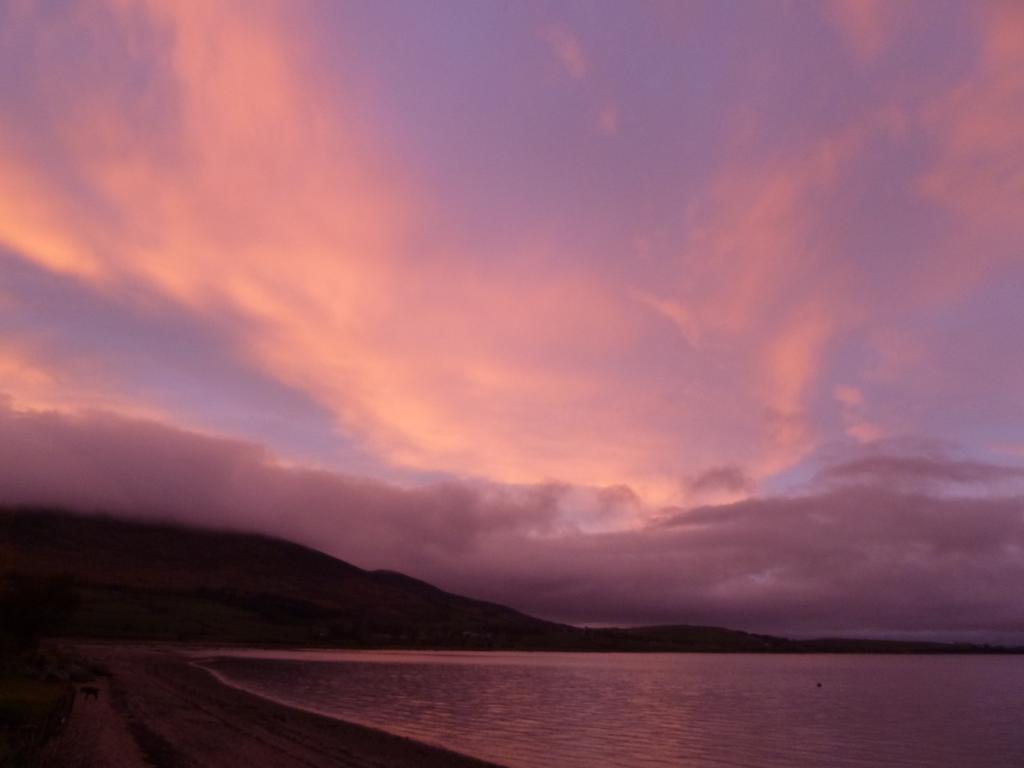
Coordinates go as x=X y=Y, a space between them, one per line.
x=28 y=710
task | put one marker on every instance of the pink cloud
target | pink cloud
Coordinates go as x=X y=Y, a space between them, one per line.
x=203 y=157
x=567 y=49
x=865 y=25
x=256 y=161
x=854 y=414
x=761 y=278
x=609 y=121
x=675 y=313
x=978 y=170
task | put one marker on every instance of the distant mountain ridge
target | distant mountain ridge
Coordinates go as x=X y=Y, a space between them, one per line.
x=157 y=581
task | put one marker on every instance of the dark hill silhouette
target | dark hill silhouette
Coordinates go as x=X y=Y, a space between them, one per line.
x=152 y=581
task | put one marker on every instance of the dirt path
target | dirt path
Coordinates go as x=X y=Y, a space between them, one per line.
x=96 y=736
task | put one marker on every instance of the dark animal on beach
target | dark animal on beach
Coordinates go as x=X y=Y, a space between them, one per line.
x=90 y=691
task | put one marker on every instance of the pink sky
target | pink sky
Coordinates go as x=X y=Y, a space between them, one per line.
x=570 y=270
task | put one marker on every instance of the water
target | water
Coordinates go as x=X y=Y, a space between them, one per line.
x=527 y=710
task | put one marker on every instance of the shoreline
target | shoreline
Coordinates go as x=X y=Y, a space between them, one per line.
x=160 y=709
x=200 y=664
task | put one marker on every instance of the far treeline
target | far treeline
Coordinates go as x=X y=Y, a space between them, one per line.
x=81 y=576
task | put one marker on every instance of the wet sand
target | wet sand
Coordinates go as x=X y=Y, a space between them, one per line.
x=156 y=710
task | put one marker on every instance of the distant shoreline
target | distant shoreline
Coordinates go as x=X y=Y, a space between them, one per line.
x=159 y=708
x=782 y=646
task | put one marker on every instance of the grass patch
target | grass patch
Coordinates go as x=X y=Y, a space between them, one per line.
x=31 y=713
x=24 y=702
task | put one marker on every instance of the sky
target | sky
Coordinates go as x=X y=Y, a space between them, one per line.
x=657 y=312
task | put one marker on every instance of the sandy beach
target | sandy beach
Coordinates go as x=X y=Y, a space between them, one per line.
x=156 y=710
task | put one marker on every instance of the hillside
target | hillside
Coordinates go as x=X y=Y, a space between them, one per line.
x=151 y=581
x=146 y=580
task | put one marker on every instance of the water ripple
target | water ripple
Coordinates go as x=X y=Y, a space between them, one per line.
x=528 y=710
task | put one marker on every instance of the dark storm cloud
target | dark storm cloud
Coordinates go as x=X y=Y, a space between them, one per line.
x=919 y=470
x=854 y=558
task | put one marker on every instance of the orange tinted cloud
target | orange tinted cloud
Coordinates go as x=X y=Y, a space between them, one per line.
x=200 y=153
x=761 y=285
x=260 y=201
x=24 y=376
x=32 y=383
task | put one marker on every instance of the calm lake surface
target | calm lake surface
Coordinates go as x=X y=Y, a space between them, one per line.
x=527 y=710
